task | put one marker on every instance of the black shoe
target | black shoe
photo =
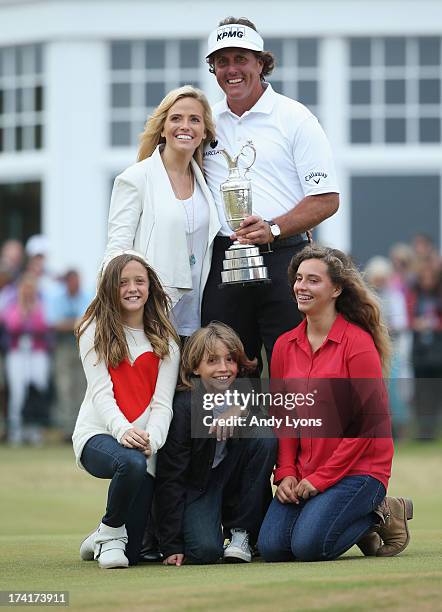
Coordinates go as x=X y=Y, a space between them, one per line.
x=150 y=555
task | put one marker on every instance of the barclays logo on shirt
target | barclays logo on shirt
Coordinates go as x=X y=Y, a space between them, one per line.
x=213 y=145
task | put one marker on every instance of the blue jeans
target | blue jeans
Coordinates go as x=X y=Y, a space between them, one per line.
x=130 y=491
x=238 y=495
x=323 y=527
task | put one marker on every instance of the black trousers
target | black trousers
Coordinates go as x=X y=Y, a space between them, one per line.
x=259 y=313
x=237 y=495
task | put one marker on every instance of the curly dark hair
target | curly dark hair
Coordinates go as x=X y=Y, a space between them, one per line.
x=357 y=302
x=267 y=58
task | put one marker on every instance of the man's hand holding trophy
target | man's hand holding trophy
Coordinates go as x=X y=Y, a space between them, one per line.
x=243 y=262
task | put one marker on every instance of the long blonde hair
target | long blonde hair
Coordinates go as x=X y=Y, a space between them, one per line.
x=110 y=342
x=151 y=136
x=357 y=303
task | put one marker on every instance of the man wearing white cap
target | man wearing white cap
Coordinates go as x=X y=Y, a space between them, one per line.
x=293 y=180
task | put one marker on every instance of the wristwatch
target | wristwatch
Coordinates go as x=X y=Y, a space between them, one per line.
x=275 y=229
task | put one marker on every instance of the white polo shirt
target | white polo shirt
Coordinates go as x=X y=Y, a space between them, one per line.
x=293 y=155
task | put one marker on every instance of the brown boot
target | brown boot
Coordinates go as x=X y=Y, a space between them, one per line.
x=394 y=513
x=370 y=544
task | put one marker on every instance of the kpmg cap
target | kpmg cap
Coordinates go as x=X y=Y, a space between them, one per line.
x=234 y=35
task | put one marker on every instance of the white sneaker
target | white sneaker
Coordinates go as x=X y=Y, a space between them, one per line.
x=87 y=547
x=239 y=549
x=110 y=546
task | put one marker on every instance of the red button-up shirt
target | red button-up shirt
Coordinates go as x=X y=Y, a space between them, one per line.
x=347 y=352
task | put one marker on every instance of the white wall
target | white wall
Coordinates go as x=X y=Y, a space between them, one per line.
x=53 y=19
x=76 y=165
x=75 y=181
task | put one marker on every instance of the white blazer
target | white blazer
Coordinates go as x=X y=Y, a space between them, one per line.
x=144 y=216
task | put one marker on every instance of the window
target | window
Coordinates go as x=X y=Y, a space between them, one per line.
x=297 y=69
x=20 y=210
x=142 y=72
x=393 y=199
x=395 y=90
x=21 y=98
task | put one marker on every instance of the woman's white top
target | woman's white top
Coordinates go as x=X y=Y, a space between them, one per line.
x=186 y=313
x=144 y=216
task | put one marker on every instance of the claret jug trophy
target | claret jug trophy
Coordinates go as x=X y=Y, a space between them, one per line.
x=243 y=262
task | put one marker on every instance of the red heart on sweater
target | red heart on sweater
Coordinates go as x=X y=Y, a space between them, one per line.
x=134 y=385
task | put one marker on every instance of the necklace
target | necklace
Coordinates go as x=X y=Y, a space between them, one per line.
x=191 y=230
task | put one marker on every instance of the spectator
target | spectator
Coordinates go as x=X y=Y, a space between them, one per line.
x=11 y=261
x=37 y=248
x=379 y=275
x=402 y=259
x=27 y=363
x=425 y=251
x=67 y=306
x=11 y=266
x=426 y=317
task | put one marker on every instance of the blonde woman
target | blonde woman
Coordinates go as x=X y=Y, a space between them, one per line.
x=162 y=207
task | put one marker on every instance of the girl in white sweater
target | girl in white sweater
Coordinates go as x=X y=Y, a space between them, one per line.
x=130 y=356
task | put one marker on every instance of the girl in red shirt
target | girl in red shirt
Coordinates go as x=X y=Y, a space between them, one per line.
x=331 y=490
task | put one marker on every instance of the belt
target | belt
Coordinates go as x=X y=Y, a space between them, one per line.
x=282 y=243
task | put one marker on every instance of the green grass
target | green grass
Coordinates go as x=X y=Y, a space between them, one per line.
x=48 y=505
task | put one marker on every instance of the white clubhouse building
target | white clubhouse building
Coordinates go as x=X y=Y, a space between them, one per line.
x=79 y=77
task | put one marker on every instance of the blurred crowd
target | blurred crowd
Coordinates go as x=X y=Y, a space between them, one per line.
x=409 y=286
x=41 y=379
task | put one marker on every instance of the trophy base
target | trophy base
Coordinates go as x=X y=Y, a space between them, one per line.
x=243 y=265
x=250 y=283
